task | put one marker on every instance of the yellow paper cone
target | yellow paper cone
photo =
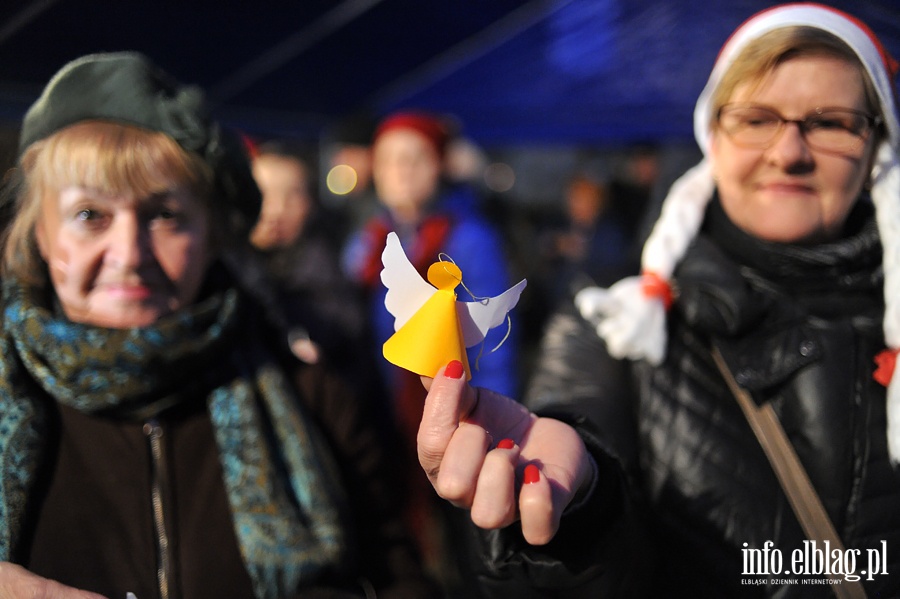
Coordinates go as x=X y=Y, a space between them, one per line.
x=430 y=338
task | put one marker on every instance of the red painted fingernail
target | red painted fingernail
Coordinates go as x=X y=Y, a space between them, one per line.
x=532 y=474
x=506 y=444
x=454 y=369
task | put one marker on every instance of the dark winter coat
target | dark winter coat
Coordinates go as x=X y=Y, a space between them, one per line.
x=90 y=518
x=684 y=490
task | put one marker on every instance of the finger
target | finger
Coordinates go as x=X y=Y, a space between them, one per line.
x=55 y=590
x=494 y=504
x=561 y=467
x=16 y=581
x=539 y=519
x=458 y=475
x=441 y=416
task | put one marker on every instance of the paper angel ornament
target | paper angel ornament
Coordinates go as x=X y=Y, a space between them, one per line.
x=431 y=326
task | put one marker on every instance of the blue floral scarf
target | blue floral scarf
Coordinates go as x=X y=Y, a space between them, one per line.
x=287 y=520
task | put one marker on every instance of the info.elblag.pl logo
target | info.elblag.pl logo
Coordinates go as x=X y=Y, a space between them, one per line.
x=815 y=560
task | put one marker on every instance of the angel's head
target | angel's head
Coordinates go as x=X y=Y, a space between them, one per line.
x=444 y=275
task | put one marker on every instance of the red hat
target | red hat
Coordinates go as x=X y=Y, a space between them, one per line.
x=431 y=127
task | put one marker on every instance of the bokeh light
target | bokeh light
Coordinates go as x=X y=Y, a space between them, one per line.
x=499 y=177
x=341 y=179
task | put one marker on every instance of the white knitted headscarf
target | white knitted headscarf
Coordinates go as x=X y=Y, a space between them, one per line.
x=631 y=315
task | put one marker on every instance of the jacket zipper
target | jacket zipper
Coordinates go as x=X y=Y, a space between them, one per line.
x=154 y=433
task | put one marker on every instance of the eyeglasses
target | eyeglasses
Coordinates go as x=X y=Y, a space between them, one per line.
x=825 y=129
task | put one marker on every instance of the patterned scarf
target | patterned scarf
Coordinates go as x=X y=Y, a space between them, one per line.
x=279 y=480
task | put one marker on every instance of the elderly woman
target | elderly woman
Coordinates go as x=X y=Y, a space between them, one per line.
x=636 y=470
x=155 y=436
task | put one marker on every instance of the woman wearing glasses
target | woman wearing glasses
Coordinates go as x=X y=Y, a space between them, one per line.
x=632 y=468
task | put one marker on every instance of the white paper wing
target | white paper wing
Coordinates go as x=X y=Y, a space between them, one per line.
x=477 y=318
x=406 y=289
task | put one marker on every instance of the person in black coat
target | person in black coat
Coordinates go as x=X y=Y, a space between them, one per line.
x=631 y=470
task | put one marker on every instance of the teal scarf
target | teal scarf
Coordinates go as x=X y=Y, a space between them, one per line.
x=287 y=523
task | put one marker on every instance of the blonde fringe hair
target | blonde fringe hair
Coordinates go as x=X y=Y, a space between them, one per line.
x=760 y=57
x=112 y=157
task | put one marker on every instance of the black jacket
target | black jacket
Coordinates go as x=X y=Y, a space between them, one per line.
x=91 y=518
x=685 y=490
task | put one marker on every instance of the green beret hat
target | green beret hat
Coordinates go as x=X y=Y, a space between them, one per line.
x=127 y=88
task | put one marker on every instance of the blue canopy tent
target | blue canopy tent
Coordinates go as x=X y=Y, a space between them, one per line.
x=511 y=71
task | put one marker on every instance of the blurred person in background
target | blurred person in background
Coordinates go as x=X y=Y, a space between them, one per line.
x=299 y=244
x=590 y=248
x=156 y=436
x=347 y=158
x=631 y=187
x=431 y=218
